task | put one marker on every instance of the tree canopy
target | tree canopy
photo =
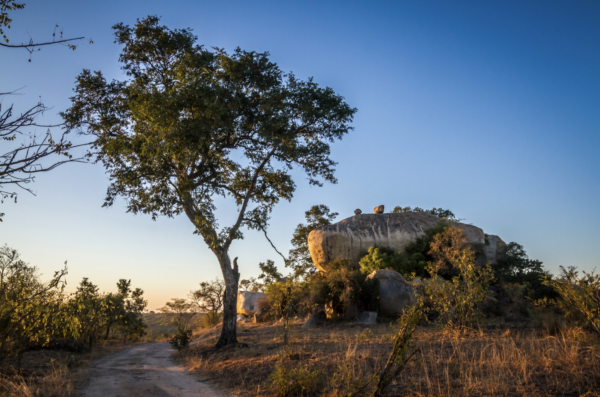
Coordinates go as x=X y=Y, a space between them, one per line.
x=190 y=124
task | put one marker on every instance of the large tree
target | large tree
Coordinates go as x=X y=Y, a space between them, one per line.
x=190 y=124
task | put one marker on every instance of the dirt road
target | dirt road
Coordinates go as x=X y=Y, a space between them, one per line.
x=144 y=370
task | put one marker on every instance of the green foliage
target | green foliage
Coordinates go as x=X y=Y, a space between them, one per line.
x=269 y=273
x=412 y=263
x=298 y=381
x=5 y=20
x=181 y=340
x=579 y=296
x=344 y=290
x=299 y=257
x=252 y=284
x=31 y=312
x=456 y=301
x=516 y=267
x=439 y=212
x=188 y=125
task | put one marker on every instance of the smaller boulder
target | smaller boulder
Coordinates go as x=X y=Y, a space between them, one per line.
x=262 y=315
x=241 y=318
x=315 y=320
x=357 y=211
x=379 y=209
x=366 y=318
x=248 y=303
x=395 y=293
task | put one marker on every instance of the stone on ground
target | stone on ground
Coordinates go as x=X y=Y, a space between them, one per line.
x=315 y=320
x=395 y=293
x=366 y=318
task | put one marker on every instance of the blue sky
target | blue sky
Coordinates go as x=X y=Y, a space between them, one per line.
x=489 y=109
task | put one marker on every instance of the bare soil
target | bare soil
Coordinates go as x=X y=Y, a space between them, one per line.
x=145 y=370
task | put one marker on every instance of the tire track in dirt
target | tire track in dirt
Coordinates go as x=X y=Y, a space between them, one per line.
x=144 y=370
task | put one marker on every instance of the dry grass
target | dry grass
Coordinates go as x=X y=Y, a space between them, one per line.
x=505 y=361
x=50 y=373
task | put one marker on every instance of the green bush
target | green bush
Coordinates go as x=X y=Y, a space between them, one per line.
x=181 y=340
x=344 y=290
x=516 y=267
x=579 y=296
x=456 y=300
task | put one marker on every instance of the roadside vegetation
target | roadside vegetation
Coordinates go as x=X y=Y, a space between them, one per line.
x=41 y=326
x=508 y=329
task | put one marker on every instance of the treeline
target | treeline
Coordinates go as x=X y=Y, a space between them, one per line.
x=36 y=314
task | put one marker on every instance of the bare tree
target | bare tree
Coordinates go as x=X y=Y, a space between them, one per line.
x=21 y=161
x=209 y=299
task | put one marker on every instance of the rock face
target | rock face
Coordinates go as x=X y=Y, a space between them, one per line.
x=395 y=293
x=248 y=303
x=352 y=237
x=315 y=320
x=379 y=209
x=493 y=250
x=366 y=318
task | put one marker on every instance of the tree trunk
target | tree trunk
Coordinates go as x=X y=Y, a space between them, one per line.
x=232 y=278
x=107 y=331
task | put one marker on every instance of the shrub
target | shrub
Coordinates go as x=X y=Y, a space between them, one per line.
x=345 y=290
x=579 y=296
x=181 y=340
x=456 y=301
x=516 y=267
x=298 y=381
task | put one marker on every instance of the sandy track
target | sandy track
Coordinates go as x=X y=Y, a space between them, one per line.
x=145 y=370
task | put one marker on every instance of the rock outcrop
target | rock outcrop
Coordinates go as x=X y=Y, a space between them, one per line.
x=493 y=249
x=395 y=293
x=352 y=237
x=379 y=209
x=248 y=303
x=357 y=211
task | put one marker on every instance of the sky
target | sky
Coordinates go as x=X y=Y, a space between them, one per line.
x=490 y=109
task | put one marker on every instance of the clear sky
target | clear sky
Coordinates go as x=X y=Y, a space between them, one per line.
x=490 y=109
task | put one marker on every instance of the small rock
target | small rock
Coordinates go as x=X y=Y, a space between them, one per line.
x=315 y=320
x=366 y=318
x=357 y=211
x=241 y=318
x=379 y=209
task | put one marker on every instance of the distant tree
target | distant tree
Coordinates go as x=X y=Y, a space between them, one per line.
x=181 y=312
x=299 y=256
x=439 y=212
x=190 y=124
x=91 y=311
x=209 y=299
x=269 y=273
x=252 y=285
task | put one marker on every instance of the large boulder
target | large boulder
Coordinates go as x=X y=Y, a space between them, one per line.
x=493 y=249
x=395 y=293
x=351 y=238
x=248 y=303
